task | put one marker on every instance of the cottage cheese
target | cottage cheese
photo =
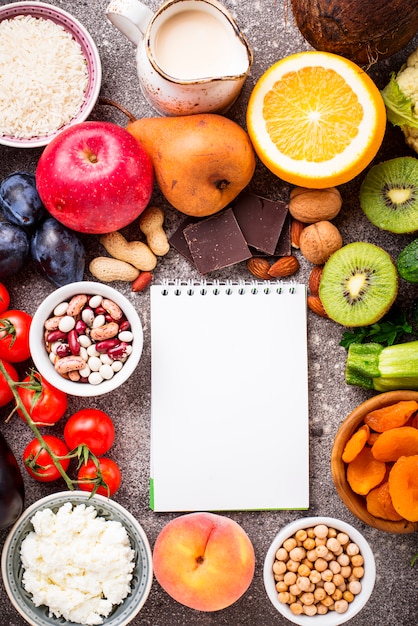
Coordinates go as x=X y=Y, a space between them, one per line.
x=76 y=563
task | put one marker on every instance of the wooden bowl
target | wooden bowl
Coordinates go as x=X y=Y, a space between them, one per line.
x=354 y=502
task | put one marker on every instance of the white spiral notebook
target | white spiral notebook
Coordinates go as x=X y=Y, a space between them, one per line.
x=229 y=397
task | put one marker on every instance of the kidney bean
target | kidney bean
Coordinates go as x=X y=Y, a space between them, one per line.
x=107 y=344
x=56 y=335
x=62 y=349
x=73 y=342
x=80 y=327
x=124 y=325
x=120 y=351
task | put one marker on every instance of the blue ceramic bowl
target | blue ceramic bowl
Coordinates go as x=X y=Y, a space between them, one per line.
x=12 y=570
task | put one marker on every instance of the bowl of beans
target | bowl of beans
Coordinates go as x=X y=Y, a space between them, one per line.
x=319 y=570
x=86 y=339
x=51 y=73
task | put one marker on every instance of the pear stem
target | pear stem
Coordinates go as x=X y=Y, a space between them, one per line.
x=115 y=104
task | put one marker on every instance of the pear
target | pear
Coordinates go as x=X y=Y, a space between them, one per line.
x=201 y=161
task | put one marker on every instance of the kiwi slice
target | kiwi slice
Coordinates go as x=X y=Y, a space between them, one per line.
x=359 y=284
x=389 y=195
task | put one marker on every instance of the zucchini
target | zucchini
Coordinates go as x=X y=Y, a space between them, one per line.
x=407 y=262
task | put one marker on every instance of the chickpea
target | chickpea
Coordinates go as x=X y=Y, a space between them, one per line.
x=346 y=571
x=311 y=555
x=343 y=538
x=338 y=580
x=341 y=606
x=283 y=597
x=343 y=559
x=301 y=535
x=321 y=551
x=289 y=544
x=329 y=588
x=309 y=543
x=304 y=570
x=314 y=577
x=328 y=601
x=321 y=531
x=335 y=567
x=333 y=545
x=279 y=567
x=321 y=609
x=337 y=595
x=303 y=583
x=357 y=560
x=321 y=565
x=297 y=554
x=281 y=586
x=278 y=577
x=352 y=549
x=282 y=554
x=358 y=572
x=307 y=598
x=308 y=563
x=310 y=609
x=355 y=587
x=289 y=578
x=292 y=566
x=319 y=594
x=332 y=532
x=327 y=575
x=320 y=541
x=347 y=595
x=294 y=590
x=296 y=608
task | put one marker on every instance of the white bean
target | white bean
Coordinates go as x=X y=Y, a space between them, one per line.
x=61 y=309
x=94 y=363
x=117 y=366
x=91 y=350
x=87 y=315
x=95 y=378
x=85 y=372
x=106 y=371
x=95 y=301
x=98 y=321
x=84 y=341
x=126 y=335
x=66 y=324
x=105 y=359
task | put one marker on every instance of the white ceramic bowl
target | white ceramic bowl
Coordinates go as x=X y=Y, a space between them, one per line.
x=331 y=618
x=90 y=52
x=40 y=355
x=12 y=570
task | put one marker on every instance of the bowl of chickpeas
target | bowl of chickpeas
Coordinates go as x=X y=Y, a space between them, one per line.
x=319 y=571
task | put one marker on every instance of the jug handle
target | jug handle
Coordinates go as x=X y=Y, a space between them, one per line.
x=131 y=17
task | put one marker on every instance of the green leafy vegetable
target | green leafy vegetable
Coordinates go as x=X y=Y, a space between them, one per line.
x=399 y=108
x=387 y=331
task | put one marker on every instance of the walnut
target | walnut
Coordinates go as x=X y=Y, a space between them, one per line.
x=318 y=241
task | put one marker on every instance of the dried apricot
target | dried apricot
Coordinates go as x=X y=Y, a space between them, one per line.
x=379 y=503
x=373 y=437
x=356 y=443
x=365 y=472
x=392 y=416
x=396 y=442
x=403 y=487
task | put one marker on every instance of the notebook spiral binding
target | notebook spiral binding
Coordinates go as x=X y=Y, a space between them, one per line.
x=216 y=287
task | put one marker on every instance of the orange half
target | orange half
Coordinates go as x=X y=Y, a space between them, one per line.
x=316 y=119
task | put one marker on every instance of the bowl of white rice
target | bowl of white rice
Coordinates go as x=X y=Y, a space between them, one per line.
x=51 y=73
x=73 y=558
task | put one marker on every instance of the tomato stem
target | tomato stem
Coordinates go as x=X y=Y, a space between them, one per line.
x=82 y=452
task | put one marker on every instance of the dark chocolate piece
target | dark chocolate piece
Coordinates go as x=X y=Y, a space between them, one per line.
x=216 y=242
x=261 y=220
x=284 y=246
x=178 y=241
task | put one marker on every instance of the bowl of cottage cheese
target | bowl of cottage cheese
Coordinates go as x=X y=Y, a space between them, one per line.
x=78 y=559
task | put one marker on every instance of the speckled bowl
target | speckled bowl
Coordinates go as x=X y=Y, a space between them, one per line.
x=331 y=618
x=40 y=355
x=353 y=501
x=89 y=49
x=12 y=570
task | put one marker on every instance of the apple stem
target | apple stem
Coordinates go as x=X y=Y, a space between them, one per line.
x=222 y=184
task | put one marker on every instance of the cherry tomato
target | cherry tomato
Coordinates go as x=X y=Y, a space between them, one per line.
x=44 y=469
x=92 y=427
x=4 y=298
x=14 y=335
x=6 y=394
x=111 y=475
x=44 y=403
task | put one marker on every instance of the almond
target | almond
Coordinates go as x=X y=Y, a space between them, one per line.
x=315 y=279
x=259 y=267
x=285 y=266
x=315 y=305
x=296 y=228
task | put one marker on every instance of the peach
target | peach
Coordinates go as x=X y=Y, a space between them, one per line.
x=203 y=560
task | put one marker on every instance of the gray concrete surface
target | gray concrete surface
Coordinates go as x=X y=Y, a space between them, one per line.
x=272 y=34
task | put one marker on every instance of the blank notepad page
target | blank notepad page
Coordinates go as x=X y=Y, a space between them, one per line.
x=229 y=397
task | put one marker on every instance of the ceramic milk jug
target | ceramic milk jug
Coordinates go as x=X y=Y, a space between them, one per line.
x=191 y=56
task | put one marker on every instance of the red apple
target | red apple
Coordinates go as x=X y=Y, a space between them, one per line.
x=95 y=177
x=204 y=560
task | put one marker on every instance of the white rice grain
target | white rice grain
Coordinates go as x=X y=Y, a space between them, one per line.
x=43 y=76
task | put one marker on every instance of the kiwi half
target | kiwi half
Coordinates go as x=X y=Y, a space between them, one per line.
x=389 y=195
x=359 y=284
